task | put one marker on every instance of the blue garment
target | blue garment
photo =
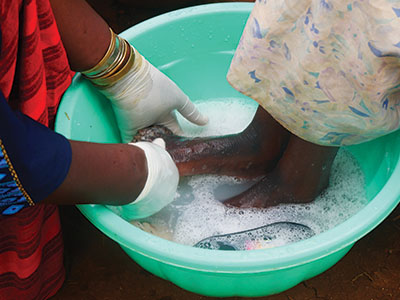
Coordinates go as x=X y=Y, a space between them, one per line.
x=34 y=160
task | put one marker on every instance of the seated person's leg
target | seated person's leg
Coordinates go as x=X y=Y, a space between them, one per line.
x=296 y=171
x=251 y=153
x=301 y=175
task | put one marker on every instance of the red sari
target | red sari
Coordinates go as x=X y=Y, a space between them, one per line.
x=34 y=74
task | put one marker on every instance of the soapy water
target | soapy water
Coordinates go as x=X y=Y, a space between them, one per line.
x=197 y=213
x=226 y=116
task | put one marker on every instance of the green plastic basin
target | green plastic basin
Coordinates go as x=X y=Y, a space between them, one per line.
x=194 y=47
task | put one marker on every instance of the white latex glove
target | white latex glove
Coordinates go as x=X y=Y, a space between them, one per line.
x=160 y=187
x=145 y=96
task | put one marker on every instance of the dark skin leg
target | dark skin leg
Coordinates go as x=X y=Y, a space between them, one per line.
x=301 y=175
x=295 y=171
x=251 y=153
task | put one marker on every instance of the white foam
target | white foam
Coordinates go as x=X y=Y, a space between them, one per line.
x=197 y=212
x=226 y=116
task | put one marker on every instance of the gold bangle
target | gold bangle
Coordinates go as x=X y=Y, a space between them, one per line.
x=114 y=61
x=111 y=63
x=112 y=79
x=109 y=52
x=106 y=67
x=116 y=65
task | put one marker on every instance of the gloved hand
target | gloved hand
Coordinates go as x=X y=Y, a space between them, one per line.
x=160 y=187
x=145 y=96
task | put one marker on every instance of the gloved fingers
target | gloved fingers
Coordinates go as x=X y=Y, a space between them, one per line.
x=171 y=123
x=161 y=184
x=192 y=114
x=160 y=142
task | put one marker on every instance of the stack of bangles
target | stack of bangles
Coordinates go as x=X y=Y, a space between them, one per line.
x=116 y=63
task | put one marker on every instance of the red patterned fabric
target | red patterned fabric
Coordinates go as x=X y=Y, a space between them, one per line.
x=34 y=74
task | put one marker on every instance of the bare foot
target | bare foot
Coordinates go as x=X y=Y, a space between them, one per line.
x=300 y=176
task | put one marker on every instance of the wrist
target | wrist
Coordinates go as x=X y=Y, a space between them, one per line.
x=160 y=187
x=115 y=64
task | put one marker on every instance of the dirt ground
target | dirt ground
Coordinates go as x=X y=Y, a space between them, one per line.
x=97 y=269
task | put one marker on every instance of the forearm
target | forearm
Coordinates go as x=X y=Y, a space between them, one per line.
x=85 y=34
x=40 y=165
x=102 y=173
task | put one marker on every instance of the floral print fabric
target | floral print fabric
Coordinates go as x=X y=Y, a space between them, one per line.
x=328 y=71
